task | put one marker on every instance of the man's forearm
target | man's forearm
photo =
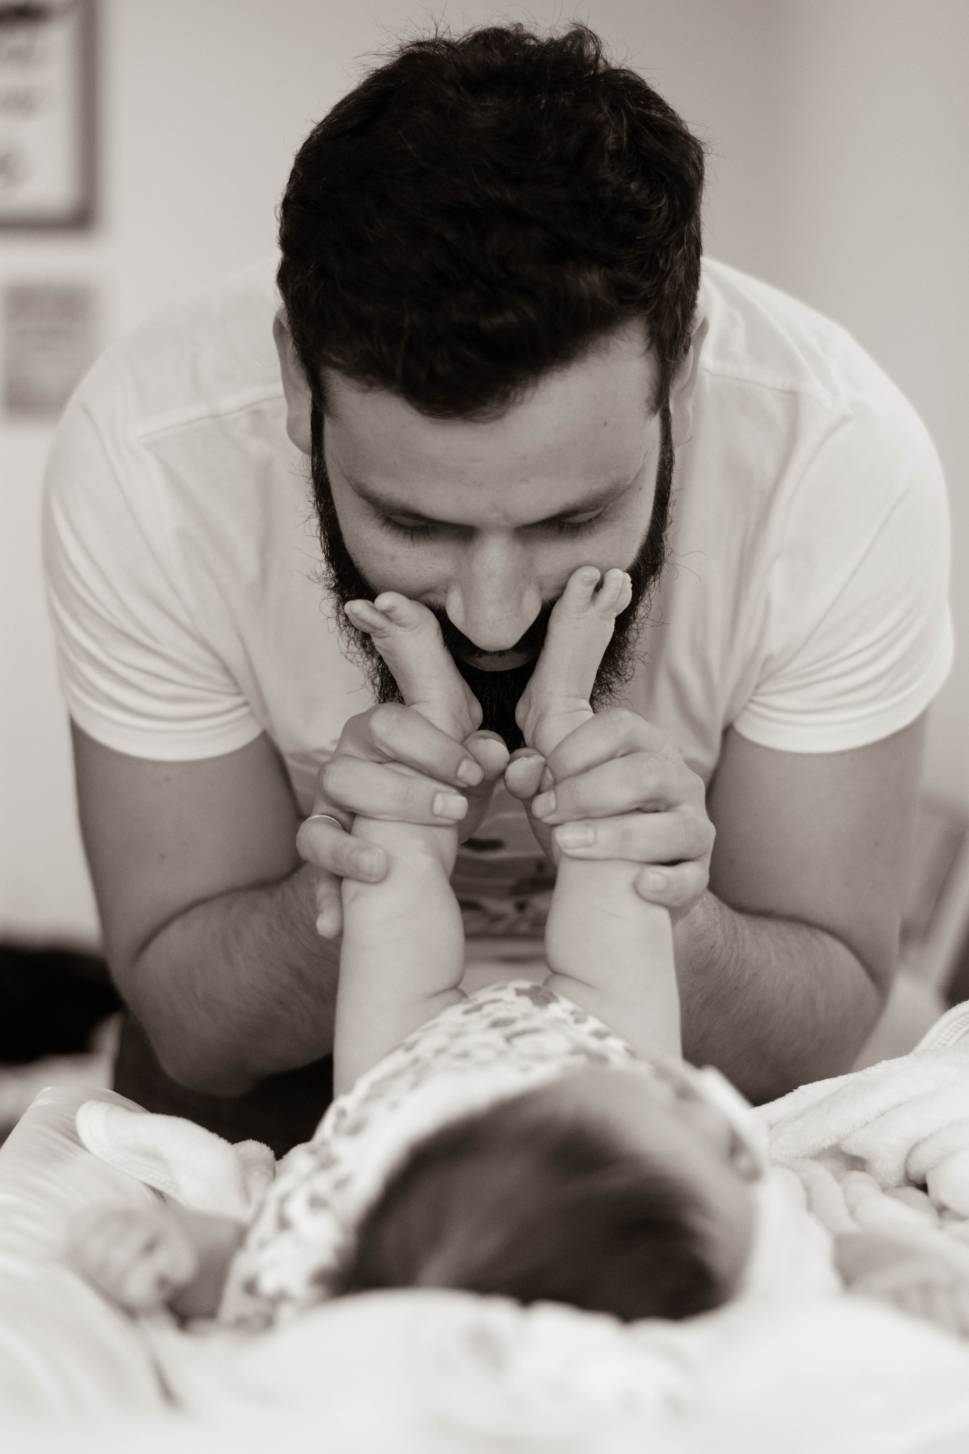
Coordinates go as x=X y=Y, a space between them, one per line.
x=771 y=1002
x=238 y=988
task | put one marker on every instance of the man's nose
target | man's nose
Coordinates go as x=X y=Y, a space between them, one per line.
x=495 y=597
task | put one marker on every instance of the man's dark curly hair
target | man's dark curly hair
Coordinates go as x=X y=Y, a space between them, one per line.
x=483 y=209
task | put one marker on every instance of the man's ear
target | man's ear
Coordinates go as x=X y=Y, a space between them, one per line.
x=295 y=387
x=683 y=390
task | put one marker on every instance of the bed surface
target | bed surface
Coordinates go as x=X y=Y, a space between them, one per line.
x=806 y=1370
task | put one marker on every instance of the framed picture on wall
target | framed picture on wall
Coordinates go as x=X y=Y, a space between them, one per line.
x=51 y=330
x=46 y=113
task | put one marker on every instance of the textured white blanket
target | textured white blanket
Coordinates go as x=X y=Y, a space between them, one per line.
x=886 y=1149
x=791 y=1365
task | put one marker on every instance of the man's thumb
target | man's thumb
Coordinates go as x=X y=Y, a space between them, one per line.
x=490 y=752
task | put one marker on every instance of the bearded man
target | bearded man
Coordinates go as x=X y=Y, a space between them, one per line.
x=498 y=356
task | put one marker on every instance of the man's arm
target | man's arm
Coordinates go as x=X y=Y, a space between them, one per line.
x=208 y=916
x=786 y=963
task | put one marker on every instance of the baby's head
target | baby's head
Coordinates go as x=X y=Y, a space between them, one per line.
x=619 y=1191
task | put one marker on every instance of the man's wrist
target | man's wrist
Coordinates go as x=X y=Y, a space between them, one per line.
x=703 y=937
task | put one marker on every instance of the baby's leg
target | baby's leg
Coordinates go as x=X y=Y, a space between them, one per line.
x=157 y=1255
x=608 y=949
x=402 y=956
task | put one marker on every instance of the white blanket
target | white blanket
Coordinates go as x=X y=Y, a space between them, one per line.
x=435 y=1373
x=886 y=1149
x=791 y=1365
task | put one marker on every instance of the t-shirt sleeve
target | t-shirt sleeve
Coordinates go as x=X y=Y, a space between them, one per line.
x=857 y=632
x=137 y=672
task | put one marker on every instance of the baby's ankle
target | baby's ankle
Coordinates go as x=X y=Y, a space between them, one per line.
x=548 y=723
x=414 y=850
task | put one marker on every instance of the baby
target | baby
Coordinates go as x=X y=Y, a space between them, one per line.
x=570 y=1154
x=541 y=1141
x=614 y=1182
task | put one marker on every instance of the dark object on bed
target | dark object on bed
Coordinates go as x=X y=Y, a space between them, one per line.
x=51 y=999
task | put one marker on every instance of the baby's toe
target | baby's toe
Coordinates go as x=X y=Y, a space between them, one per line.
x=591 y=594
x=408 y=637
x=614 y=594
x=405 y=614
x=394 y=620
x=580 y=591
x=580 y=628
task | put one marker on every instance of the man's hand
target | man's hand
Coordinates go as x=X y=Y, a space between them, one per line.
x=619 y=781
x=391 y=763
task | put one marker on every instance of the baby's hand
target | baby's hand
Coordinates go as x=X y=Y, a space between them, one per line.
x=915 y=1281
x=138 y=1256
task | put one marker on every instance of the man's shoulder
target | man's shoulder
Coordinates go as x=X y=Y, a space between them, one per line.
x=766 y=338
x=206 y=357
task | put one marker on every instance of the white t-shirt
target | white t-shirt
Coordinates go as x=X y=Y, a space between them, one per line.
x=804 y=601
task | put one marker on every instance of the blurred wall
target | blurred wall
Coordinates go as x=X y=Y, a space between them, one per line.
x=837 y=172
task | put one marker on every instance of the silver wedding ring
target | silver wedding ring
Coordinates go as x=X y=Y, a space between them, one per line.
x=326 y=818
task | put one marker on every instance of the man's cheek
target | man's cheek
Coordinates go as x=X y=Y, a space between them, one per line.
x=399 y=567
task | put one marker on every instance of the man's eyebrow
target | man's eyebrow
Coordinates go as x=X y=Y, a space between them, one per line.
x=387 y=505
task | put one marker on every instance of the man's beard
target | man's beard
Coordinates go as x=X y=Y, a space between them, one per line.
x=497 y=692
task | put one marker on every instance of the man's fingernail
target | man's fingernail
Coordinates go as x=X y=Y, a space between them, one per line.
x=324 y=925
x=655 y=880
x=370 y=862
x=575 y=835
x=470 y=772
x=543 y=805
x=450 y=805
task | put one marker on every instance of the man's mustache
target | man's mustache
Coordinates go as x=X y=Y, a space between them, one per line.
x=462 y=649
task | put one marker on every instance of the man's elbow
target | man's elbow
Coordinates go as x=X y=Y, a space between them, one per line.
x=880 y=965
x=192 y=1059
x=872 y=973
x=203 y=1072
x=190 y=1045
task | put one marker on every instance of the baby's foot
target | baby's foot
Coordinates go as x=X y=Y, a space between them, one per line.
x=137 y=1256
x=556 y=700
x=409 y=639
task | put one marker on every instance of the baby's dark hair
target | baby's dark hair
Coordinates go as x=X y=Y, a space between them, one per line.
x=527 y=1202
x=483 y=209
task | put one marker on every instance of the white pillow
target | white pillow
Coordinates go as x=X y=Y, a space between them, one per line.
x=63 y=1348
